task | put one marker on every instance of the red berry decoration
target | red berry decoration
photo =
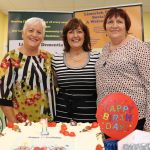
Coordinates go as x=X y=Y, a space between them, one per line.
x=99 y=147
x=63 y=127
x=40 y=148
x=52 y=124
x=88 y=127
x=72 y=134
x=66 y=133
x=10 y=124
x=94 y=125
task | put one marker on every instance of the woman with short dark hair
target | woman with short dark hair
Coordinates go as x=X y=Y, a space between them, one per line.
x=124 y=65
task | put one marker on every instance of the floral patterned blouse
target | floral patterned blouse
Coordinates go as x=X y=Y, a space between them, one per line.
x=26 y=84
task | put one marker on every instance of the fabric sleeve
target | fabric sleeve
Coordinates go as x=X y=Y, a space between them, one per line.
x=51 y=87
x=6 y=81
x=53 y=93
x=143 y=63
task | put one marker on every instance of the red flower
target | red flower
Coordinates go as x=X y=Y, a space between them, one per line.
x=21 y=117
x=5 y=63
x=43 y=55
x=29 y=101
x=15 y=104
x=15 y=63
x=37 y=96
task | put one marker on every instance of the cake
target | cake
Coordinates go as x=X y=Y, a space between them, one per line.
x=62 y=136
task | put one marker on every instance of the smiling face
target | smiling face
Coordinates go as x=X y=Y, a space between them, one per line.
x=75 y=38
x=33 y=35
x=115 y=28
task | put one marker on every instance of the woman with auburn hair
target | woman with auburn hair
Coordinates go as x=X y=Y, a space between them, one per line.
x=75 y=71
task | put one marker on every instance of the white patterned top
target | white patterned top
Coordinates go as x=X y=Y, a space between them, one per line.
x=126 y=70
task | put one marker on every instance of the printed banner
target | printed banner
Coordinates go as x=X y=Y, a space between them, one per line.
x=55 y=22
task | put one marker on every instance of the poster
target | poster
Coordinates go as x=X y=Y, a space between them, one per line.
x=55 y=22
x=93 y=18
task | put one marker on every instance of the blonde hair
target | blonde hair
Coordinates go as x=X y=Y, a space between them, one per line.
x=35 y=20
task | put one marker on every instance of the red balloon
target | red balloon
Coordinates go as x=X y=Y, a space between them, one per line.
x=117 y=115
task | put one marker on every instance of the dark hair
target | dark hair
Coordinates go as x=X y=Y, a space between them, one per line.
x=118 y=13
x=74 y=24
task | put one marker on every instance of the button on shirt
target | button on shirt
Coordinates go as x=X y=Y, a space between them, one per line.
x=126 y=70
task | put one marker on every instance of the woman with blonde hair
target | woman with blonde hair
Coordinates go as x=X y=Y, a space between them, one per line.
x=26 y=88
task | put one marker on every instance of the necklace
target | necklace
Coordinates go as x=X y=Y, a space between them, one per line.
x=76 y=58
